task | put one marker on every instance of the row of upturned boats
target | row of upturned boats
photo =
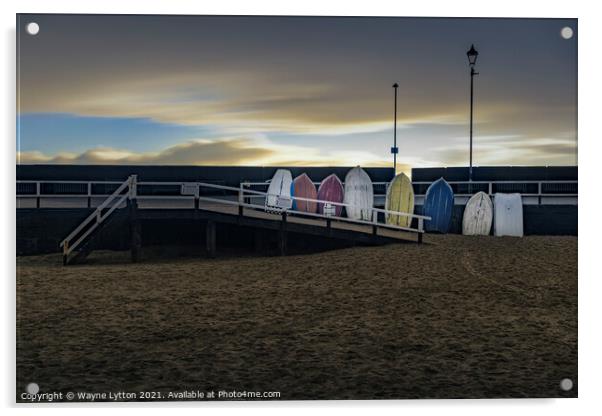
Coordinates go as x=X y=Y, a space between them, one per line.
x=356 y=196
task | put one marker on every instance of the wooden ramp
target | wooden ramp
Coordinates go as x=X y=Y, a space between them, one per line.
x=214 y=210
x=330 y=227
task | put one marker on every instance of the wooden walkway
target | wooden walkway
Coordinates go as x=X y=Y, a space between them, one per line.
x=212 y=211
x=331 y=226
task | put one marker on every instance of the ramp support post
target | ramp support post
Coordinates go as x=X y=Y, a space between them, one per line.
x=241 y=199
x=282 y=235
x=211 y=239
x=135 y=237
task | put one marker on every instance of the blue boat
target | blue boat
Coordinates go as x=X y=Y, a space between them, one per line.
x=438 y=204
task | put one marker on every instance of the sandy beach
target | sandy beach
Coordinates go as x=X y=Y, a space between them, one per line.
x=456 y=317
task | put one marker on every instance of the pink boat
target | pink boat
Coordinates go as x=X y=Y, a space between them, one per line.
x=303 y=187
x=331 y=189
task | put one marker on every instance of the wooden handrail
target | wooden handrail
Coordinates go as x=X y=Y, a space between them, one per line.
x=97 y=217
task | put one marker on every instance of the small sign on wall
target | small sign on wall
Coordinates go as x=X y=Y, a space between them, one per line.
x=191 y=188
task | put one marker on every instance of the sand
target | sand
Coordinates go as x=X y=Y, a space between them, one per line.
x=457 y=317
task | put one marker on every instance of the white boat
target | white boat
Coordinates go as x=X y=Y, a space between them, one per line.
x=478 y=215
x=508 y=215
x=359 y=193
x=279 y=191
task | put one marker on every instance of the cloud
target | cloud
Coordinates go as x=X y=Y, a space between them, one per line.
x=220 y=152
x=499 y=150
x=242 y=76
x=234 y=151
x=238 y=102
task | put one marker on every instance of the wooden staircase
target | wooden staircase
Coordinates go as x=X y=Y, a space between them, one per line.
x=81 y=241
x=91 y=242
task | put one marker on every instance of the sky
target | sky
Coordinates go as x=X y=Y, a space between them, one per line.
x=313 y=91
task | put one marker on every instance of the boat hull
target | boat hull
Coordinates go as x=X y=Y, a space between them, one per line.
x=478 y=215
x=438 y=204
x=359 y=193
x=400 y=198
x=279 y=191
x=303 y=187
x=508 y=215
x=331 y=189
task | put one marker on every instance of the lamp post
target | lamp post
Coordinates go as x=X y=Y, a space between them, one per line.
x=394 y=149
x=472 y=59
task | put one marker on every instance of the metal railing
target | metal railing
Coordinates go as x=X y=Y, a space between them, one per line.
x=562 y=188
x=243 y=197
x=89 y=192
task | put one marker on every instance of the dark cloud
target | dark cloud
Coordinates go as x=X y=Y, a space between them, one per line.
x=318 y=70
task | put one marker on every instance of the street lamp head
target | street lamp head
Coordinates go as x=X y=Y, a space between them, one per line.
x=472 y=55
x=395 y=85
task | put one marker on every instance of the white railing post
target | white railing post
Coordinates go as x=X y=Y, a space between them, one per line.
x=38 y=194
x=133 y=185
x=89 y=202
x=241 y=199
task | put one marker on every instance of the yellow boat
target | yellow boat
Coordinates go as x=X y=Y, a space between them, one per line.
x=400 y=198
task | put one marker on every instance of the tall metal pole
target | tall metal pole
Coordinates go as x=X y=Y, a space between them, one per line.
x=472 y=55
x=472 y=73
x=394 y=149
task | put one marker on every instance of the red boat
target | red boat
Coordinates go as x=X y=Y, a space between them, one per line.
x=303 y=187
x=331 y=189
